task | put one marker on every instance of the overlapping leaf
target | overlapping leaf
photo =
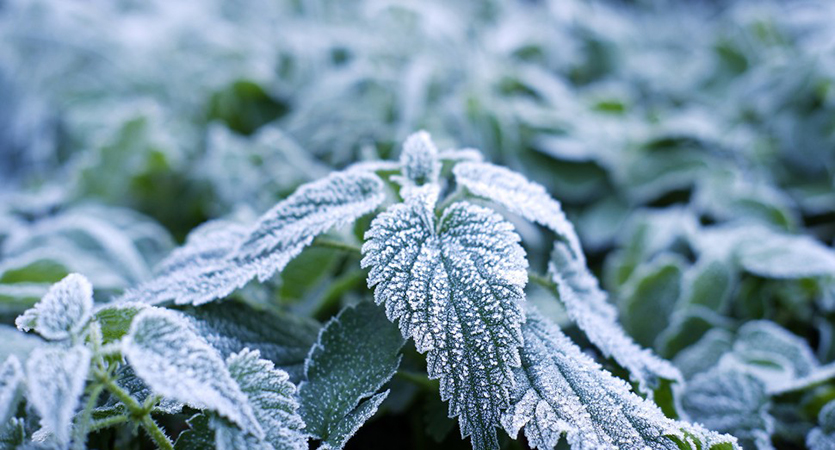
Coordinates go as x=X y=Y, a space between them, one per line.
x=11 y=383
x=560 y=391
x=63 y=312
x=823 y=437
x=357 y=352
x=456 y=287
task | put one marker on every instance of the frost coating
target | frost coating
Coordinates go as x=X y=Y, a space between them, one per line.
x=11 y=382
x=271 y=396
x=823 y=437
x=587 y=306
x=513 y=191
x=358 y=351
x=55 y=380
x=63 y=312
x=219 y=259
x=419 y=159
x=455 y=286
x=170 y=357
x=561 y=391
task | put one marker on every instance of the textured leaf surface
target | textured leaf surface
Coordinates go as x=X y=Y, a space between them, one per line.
x=11 y=383
x=513 y=191
x=127 y=379
x=231 y=327
x=219 y=258
x=115 y=319
x=455 y=287
x=419 y=159
x=166 y=352
x=271 y=396
x=561 y=391
x=357 y=352
x=63 y=312
x=649 y=298
x=588 y=307
x=55 y=381
x=730 y=401
x=823 y=437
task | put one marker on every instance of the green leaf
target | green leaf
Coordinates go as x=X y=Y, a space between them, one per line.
x=115 y=319
x=281 y=338
x=63 y=312
x=55 y=379
x=560 y=391
x=357 y=352
x=12 y=434
x=588 y=307
x=455 y=285
x=167 y=354
x=17 y=343
x=198 y=436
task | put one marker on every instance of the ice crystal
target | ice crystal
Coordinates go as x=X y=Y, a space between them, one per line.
x=217 y=260
x=63 y=312
x=562 y=391
x=358 y=351
x=455 y=285
x=55 y=381
x=588 y=307
x=168 y=355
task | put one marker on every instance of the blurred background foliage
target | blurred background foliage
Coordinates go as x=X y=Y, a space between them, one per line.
x=691 y=143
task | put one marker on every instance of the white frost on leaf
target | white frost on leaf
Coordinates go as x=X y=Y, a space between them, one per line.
x=63 y=312
x=11 y=382
x=455 y=285
x=357 y=352
x=271 y=395
x=55 y=381
x=588 y=307
x=823 y=436
x=216 y=261
x=419 y=159
x=167 y=354
x=519 y=195
x=560 y=391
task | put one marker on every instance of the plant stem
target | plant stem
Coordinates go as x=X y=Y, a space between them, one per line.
x=417 y=379
x=108 y=422
x=337 y=245
x=143 y=414
x=82 y=426
x=543 y=281
x=330 y=300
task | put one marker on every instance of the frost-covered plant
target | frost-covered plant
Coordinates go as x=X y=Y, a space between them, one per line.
x=446 y=266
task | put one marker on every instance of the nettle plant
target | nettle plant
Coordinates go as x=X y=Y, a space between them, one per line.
x=447 y=269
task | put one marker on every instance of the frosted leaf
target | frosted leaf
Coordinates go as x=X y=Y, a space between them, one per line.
x=271 y=396
x=291 y=225
x=514 y=192
x=587 y=306
x=358 y=351
x=63 y=312
x=12 y=434
x=823 y=437
x=730 y=401
x=561 y=391
x=773 y=353
x=197 y=272
x=419 y=159
x=456 y=287
x=198 y=436
x=127 y=379
x=216 y=261
x=705 y=353
x=55 y=381
x=114 y=319
x=230 y=327
x=167 y=354
x=11 y=383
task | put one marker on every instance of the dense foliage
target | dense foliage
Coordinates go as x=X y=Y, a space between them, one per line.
x=221 y=227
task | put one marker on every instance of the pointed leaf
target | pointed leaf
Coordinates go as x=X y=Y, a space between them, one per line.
x=166 y=353
x=63 y=312
x=562 y=391
x=588 y=307
x=230 y=327
x=419 y=159
x=357 y=352
x=514 y=192
x=455 y=287
x=55 y=380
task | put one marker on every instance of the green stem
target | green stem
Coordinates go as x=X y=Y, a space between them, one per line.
x=97 y=425
x=82 y=425
x=329 y=302
x=543 y=281
x=143 y=414
x=337 y=245
x=417 y=379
